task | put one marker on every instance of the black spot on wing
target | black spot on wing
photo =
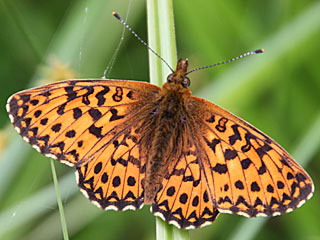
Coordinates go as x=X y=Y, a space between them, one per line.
x=248 y=136
x=270 y=188
x=96 y=131
x=60 y=110
x=117 y=97
x=205 y=196
x=130 y=95
x=59 y=145
x=100 y=95
x=212 y=144
x=44 y=121
x=115 y=115
x=80 y=143
x=221 y=126
x=131 y=181
x=211 y=119
x=220 y=168
x=290 y=176
x=245 y=163
x=70 y=93
x=77 y=113
x=280 y=185
x=183 y=198
x=34 y=102
x=37 y=113
x=95 y=114
x=116 y=181
x=187 y=178
x=195 y=201
x=56 y=127
x=262 y=169
x=263 y=150
x=236 y=136
x=97 y=167
x=70 y=134
x=255 y=187
x=85 y=97
x=238 y=184
x=230 y=154
x=104 y=178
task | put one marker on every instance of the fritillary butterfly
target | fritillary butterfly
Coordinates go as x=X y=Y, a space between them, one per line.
x=134 y=143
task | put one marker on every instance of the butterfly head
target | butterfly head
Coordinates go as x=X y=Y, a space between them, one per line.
x=179 y=75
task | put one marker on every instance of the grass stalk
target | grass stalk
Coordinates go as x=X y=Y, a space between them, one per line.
x=60 y=205
x=161 y=38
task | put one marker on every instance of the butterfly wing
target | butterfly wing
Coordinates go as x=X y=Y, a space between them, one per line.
x=94 y=125
x=183 y=199
x=67 y=119
x=247 y=173
x=113 y=178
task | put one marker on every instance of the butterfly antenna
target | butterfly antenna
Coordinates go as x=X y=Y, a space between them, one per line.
x=136 y=35
x=230 y=60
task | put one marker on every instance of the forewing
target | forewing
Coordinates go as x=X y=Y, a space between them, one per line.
x=183 y=199
x=247 y=173
x=69 y=120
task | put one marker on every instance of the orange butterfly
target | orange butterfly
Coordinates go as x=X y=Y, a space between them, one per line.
x=134 y=143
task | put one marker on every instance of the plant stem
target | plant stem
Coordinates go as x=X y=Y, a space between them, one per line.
x=161 y=38
x=61 y=211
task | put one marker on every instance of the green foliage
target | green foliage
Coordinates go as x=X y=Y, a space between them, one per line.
x=277 y=91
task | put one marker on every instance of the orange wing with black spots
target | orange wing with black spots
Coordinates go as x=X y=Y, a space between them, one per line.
x=94 y=125
x=184 y=199
x=70 y=120
x=133 y=142
x=113 y=178
x=246 y=172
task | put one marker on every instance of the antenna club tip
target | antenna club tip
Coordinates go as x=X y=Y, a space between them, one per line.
x=116 y=15
x=260 y=50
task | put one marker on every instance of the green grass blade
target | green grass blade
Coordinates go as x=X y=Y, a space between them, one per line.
x=37 y=204
x=16 y=17
x=60 y=205
x=163 y=230
x=161 y=37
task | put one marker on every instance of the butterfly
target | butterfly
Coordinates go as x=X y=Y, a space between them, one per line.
x=134 y=143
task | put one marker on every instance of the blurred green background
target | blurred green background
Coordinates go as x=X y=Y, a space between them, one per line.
x=278 y=92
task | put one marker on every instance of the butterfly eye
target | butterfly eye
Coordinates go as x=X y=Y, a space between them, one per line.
x=186 y=82
x=170 y=78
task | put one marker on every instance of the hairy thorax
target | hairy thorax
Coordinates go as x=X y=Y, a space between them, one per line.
x=167 y=139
